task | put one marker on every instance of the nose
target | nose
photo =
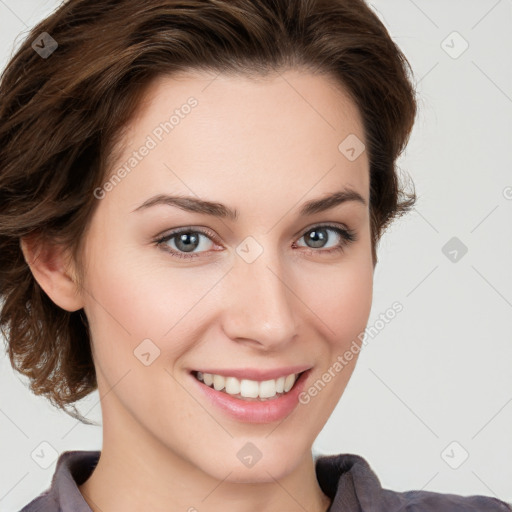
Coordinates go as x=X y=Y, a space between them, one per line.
x=261 y=307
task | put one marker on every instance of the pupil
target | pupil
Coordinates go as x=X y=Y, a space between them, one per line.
x=317 y=237
x=185 y=238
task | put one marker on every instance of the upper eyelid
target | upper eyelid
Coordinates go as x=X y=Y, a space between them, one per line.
x=326 y=224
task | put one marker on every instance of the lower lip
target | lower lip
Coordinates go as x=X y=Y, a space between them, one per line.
x=255 y=412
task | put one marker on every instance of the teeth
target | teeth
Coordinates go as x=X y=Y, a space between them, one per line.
x=249 y=388
x=289 y=382
x=219 y=382
x=280 y=384
x=232 y=386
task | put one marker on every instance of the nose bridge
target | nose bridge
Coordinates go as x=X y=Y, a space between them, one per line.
x=262 y=305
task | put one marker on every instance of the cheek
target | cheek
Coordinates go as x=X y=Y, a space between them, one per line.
x=341 y=296
x=142 y=315
x=344 y=308
x=136 y=300
x=143 y=303
x=342 y=302
x=348 y=299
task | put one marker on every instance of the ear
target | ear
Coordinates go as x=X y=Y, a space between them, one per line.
x=52 y=268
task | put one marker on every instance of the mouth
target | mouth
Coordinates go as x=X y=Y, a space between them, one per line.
x=250 y=390
x=268 y=401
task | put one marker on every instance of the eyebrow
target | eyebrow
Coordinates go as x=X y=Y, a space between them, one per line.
x=216 y=209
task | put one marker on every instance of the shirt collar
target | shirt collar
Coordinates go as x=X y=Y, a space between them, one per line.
x=346 y=479
x=73 y=469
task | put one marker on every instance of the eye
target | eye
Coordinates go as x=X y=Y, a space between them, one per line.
x=182 y=243
x=185 y=241
x=318 y=236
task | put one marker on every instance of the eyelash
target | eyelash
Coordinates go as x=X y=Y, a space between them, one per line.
x=347 y=237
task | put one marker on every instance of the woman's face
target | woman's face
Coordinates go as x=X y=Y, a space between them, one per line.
x=268 y=290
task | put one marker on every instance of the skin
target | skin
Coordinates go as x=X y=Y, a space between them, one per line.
x=264 y=148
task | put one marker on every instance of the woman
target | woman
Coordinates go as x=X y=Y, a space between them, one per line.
x=192 y=194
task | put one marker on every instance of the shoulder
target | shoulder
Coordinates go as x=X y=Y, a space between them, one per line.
x=427 y=501
x=351 y=483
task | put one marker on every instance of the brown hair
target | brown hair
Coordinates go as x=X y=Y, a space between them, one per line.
x=61 y=118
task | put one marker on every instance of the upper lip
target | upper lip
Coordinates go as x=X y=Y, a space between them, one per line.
x=255 y=373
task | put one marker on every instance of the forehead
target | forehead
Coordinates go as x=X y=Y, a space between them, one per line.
x=288 y=131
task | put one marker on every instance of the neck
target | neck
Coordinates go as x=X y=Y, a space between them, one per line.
x=136 y=472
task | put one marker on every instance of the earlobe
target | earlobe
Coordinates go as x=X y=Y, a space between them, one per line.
x=52 y=269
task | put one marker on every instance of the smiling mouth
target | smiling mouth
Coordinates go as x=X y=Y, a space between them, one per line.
x=249 y=390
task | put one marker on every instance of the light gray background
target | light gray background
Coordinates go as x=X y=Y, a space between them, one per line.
x=441 y=370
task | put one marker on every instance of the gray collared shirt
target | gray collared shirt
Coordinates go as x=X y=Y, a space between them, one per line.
x=346 y=478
